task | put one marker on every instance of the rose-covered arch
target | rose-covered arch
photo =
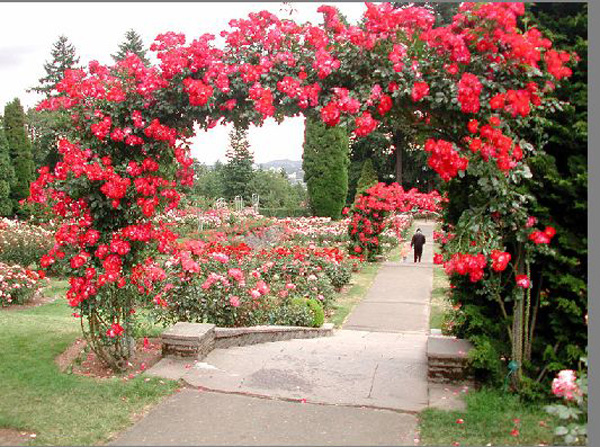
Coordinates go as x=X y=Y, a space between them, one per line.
x=470 y=85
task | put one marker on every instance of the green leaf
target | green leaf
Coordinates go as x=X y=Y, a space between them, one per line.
x=561 y=431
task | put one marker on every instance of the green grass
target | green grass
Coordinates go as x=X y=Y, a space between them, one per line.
x=347 y=299
x=61 y=408
x=56 y=287
x=488 y=420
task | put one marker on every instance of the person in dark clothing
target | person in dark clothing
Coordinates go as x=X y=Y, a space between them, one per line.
x=418 y=240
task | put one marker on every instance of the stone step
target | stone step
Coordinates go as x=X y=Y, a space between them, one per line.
x=448 y=358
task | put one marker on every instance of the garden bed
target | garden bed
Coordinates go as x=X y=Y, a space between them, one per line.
x=78 y=359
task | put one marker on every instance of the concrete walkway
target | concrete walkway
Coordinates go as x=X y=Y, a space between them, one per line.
x=362 y=386
x=398 y=301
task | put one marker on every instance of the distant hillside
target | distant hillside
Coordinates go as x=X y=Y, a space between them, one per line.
x=288 y=165
x=293 y=168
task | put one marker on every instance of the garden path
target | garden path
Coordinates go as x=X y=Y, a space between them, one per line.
x=362 y=386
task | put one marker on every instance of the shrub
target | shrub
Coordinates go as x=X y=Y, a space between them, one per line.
x=318 y=315
x=22 y=243
x=17 y=284
x=294 y=313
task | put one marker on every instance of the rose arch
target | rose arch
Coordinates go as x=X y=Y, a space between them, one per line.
x=471 y=86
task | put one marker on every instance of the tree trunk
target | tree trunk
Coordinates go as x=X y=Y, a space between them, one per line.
x=399 y=139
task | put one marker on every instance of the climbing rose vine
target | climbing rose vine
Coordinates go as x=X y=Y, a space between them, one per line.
x=127 y=151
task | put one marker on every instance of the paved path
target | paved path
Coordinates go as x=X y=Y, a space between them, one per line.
x=361 y=386
x=398 y=301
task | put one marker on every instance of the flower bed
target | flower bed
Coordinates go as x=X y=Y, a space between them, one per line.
x=21 y=243
x=230 y=284
x=17 y=284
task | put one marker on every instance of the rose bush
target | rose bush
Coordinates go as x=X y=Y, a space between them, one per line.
x=21 y=243
x=126 y=153
x=18 y=284
x=375 y=211
x=230 y=284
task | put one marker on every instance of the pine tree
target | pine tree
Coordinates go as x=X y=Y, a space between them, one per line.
x=238 y=172
x=325 y=164
x=7 y=175
x=368 y=178
x=63 y=57
x=132 y=44
x=19 y=149
x=47 y=126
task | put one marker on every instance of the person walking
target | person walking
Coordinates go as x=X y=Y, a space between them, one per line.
x=418 y=240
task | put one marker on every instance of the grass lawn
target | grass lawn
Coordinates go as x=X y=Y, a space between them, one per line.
x=491 y=418
x=60 y=408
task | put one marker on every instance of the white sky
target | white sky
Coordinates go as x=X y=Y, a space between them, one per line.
x=28 y=31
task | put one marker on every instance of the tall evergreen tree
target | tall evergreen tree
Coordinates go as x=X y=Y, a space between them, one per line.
x=325 y=164
x=368 y=177
x=132 y=44
x=64 y=57
x=238 y=172
x=45 y=127
x=7 y=175
x=19 y=149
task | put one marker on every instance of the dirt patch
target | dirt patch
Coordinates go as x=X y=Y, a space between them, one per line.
x=39 y=298
x=79 y=359
x=11 y=437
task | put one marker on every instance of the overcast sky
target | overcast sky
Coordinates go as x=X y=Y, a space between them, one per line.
x=28 y=31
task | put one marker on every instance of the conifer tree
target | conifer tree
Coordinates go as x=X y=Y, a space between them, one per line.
x=47 y=126
x=238 y=172
x=368 y=178
x=7 y=175
x=132 y=44
x=63 y=57
x=19 y=149
x=325 y=164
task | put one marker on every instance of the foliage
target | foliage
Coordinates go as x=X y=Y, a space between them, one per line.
x=325 y=165
x=574 y=411
x=377 y=210
x=230 y=284
x=21 y=243
x=132 y=44
x=238 y=172
x=375 y=147
x=64 y=57
x=208 y=183
x=17 y=284
x=368 y=178
x=560 y=183
x=47 y=126
x=7 y=175
x=275 y=190
x=20 y=150
x=316 y=309
x=541 y=327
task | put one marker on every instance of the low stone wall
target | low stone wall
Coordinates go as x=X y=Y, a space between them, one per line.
x=197 y=339
x=230 y=337
x=447 y=359
x=188 y=340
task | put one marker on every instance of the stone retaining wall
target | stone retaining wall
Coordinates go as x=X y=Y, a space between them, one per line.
x=197 y=339
x=230 y=337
